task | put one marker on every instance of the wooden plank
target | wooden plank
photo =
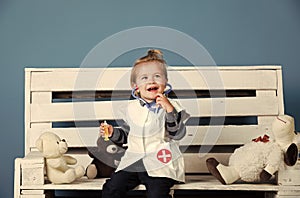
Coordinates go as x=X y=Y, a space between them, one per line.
x=67 y=80
x=266 y=123
x=196 y=135
x=221 y=135
x=105 y=79
x=266 y=105
x=223 y=79
x=83 y=159
x=41 y=97
x=195 y=163
x=198 y=164
x=75 y=137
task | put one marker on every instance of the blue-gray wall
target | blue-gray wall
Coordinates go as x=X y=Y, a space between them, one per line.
x=61 y=32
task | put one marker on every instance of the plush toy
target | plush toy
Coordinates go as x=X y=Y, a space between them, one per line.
x=106 y=157
x=258 y=160
x=57 y=169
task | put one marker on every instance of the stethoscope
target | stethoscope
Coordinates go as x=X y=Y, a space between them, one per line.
x=151 y=106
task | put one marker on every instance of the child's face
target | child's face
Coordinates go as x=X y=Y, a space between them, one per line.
x=150 y=80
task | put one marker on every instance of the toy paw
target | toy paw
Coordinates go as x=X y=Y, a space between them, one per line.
x=79 y=171
x=212 y=164
x=91 y=171
x=291 y=155
x=264 y=176
x=70 y=176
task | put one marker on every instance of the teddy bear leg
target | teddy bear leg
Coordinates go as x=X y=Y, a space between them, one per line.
x=91 y=171
x=212 y=164
x=229 y=174
x=69 y=176
x=264 y=176
x=291 y=155
x=225 y=174
x=79 y=171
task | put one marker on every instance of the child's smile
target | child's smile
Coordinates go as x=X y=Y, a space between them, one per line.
x=153 y=89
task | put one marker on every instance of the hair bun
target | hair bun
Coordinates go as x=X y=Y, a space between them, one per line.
x=155 y=52
x=152 y=55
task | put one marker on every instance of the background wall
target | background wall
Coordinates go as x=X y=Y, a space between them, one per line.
x=60 y=33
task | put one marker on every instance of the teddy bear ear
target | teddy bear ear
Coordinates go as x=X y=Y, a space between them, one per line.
x=39 y=145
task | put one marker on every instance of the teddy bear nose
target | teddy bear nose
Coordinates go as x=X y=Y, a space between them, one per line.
x=63 y=140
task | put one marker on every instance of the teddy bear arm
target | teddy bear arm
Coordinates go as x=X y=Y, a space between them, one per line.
x=55 y=163
x=69 y=159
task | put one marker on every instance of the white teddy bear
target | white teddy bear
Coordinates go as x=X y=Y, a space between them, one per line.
x=258 y=160
x=57 y=169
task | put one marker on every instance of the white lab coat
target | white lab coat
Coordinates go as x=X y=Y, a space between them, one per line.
x=147 y=141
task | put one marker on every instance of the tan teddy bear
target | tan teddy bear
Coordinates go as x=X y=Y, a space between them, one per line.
x=57 y=169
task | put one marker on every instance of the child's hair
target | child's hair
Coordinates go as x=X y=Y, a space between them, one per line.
x=153 y=55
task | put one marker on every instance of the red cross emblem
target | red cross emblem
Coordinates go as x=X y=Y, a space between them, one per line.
x=164 y=155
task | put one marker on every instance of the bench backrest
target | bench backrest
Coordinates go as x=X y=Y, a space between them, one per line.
x=229 y=106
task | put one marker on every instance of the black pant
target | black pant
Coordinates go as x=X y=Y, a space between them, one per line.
x=123 y=181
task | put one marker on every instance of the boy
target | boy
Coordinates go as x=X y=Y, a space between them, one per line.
x=153 y=124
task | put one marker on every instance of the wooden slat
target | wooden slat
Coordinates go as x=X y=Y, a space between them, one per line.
x=83 y=159
x=223 y=79
x=196 y=135
x=198 y=164
x=266 y=123
x=266 y=105
x=75 y=137
x=41 y=97
x=195 y=163
x=221 y=135
x=111 y=79
x=106 y=79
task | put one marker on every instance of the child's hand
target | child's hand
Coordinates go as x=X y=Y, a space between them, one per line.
x=102 y=131
x=163 y=101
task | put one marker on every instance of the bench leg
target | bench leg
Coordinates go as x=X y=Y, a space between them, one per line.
x=17 y=178
x=37 y=194
x=172 y=193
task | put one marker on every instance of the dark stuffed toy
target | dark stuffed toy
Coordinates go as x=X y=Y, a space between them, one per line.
x=106 y=157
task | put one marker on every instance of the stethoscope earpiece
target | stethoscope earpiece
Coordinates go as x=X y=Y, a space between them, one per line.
x=169 y=90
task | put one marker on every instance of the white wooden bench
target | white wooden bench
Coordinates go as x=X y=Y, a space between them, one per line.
x=229 y=106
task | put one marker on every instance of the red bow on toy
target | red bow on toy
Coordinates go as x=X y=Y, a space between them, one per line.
x=265 y=138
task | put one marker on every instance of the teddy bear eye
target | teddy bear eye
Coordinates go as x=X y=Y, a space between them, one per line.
x=112 y=149
x=57 y=142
